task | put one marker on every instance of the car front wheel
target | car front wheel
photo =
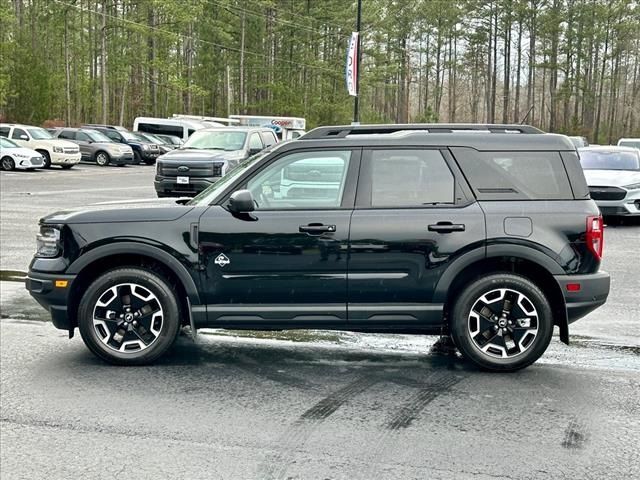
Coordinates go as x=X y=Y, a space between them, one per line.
x=102 y=159
x=8 y=164
x=502 y=322
x=129 y=316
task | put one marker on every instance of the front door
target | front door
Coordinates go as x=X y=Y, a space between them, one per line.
x=286 y=263
x=413 y=217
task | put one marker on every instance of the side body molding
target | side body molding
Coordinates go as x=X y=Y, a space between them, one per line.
x=143 y=250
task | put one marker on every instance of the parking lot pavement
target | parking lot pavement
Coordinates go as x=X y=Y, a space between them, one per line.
x=325 y=405
x=27 y=196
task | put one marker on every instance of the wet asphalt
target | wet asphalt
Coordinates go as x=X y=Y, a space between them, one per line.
x=304 y=405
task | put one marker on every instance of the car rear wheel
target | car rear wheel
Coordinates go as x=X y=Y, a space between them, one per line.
x=129 y=316
x=502 y=322
x=8 y=164
x=102 y=159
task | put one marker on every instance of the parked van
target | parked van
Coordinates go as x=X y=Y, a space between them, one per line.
x=287 y=128
x=179 y=127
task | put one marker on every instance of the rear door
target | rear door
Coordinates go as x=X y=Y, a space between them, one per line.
x=414 y=215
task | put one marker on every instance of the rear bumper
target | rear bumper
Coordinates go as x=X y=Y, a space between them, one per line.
x=594 y=290
x=43 y=288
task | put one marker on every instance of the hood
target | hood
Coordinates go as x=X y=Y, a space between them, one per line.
x=147 y=210
x=21 y=151
x=188 y=155
x=611 y=178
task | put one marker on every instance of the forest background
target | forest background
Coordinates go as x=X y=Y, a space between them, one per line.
x=568 y=66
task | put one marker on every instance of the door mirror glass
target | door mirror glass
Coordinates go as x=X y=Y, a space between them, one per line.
x=241 y=201
x=24 y=137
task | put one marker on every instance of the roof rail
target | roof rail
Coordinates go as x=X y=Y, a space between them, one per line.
x=342 y=131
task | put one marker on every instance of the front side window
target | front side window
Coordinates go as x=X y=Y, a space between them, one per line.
x=410 y=178
x=113 y=135
x=313 y=180
x=4 y=132
x=254 y=142
x=17 y=133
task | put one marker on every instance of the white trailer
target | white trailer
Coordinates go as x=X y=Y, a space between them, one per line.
x=287 y=128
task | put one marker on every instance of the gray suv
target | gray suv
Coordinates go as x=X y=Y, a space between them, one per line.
x=95 y=147
x=206 y=156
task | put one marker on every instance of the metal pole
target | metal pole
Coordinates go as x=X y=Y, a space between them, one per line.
x=356 y=112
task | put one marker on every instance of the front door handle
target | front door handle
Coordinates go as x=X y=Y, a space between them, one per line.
x=446 y=227
x=316 y=228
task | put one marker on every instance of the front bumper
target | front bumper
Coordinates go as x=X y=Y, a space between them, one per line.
x=42 y=287
x=32 y=162
x=65 y=158
x=593 y=293
x=169 y=186
x=629 y=205
x=122 y=159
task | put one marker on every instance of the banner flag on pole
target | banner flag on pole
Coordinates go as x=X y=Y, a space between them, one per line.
x=351 y=73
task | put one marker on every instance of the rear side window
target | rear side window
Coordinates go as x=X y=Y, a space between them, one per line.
x=410 y=178
x=515 y=175
x=68 y=134
x=4 y=132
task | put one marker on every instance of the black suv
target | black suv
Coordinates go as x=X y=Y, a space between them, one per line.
x=485 y=233
x=143 y=151
x=206 y=156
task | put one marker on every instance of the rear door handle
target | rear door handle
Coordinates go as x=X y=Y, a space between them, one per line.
x=316 y=228
x=446 y=227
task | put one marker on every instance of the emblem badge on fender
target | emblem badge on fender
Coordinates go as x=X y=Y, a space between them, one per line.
x=222 y=260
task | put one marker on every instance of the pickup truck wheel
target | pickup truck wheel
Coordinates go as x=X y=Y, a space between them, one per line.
x=47 y=158
x=502 y=322
x=129 y=316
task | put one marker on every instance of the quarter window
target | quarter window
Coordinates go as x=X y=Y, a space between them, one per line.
x=4 y=132
x=410 y=178
x=313 y=180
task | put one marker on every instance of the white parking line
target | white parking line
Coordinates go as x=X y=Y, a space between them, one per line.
x=84 y=190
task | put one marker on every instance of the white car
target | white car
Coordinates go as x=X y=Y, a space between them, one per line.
x=53 y=150
x=613 y=177
x=14 y=156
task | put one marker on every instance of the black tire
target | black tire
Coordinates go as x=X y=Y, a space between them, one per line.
x=102 y=159
x=47 y=158
x=532 y=343
x=119 y=279
x=137 y=159
x=150 y=161
x=7 y=164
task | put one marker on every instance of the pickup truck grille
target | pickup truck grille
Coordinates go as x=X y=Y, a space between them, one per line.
x=195 y=169
x=71 y=149
x=607 y=193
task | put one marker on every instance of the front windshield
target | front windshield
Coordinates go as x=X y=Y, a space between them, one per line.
x=153 y=138
x=6 y=143
x=207 y=196
x=97 y=136
x=39 y=134
x=216 y=140
x=609 y=160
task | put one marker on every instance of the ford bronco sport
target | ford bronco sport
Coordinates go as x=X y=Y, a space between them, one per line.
x=485 y=233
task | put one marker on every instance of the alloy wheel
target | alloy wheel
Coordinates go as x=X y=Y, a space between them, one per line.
x=503 y=323
x=128 y=318
x=102 y=159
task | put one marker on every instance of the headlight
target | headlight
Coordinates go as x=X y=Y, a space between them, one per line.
x=48 y=242
x=58 y=150
x=633 y=186
x=145 y=146
x=158 y=168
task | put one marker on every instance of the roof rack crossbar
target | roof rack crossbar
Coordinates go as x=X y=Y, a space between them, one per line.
x=342 y=131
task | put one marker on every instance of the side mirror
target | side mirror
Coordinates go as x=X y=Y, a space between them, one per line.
x=241 y=201
x=253 y=151
x=24 y=137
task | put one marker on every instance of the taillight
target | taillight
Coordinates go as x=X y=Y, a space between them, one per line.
x=595 y=235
